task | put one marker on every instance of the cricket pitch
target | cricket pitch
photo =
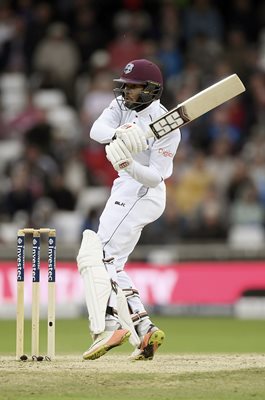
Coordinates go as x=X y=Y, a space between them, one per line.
x=168 y=376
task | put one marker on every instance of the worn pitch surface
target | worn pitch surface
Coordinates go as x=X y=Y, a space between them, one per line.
x=168 y=376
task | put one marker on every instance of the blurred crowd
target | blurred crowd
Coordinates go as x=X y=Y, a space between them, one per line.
x=57 y=63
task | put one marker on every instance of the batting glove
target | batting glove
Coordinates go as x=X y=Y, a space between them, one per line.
x=133 y=137
x=118 y=154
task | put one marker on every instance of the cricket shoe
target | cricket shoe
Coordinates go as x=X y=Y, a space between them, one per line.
x=104 y=342
x=149 y=345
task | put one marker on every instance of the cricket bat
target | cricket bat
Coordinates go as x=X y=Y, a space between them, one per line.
x=197 y=105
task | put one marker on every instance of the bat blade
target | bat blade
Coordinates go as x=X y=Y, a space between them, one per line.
x=197 y=105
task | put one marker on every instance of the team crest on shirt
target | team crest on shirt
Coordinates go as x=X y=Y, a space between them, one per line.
x=129 y=67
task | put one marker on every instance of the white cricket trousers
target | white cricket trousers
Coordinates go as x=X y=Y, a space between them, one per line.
x=130 y=207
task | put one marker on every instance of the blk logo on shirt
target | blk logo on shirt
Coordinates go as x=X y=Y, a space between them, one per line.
x=119 y=203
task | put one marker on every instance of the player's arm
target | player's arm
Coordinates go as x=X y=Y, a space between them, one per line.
x=121 y=159
x=104 y=128
x=160 y=163
x=146 y=175
x=132 y=135
x=161 y=160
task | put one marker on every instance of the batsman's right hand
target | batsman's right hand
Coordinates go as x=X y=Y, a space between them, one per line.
x=133 y=137
x=118 y=154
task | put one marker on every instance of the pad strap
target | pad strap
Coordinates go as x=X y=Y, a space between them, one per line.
x=137 y=318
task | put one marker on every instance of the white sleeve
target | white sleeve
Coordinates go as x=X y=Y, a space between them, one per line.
x=149 y=177
x=105 y=126
x=160 y=163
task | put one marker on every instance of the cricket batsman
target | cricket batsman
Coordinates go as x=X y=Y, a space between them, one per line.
x=138 y=197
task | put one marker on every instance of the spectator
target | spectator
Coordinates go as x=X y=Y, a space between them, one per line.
x=209 y=221
x=168 y=23
x=169 y=57
x=127 y=43
x=62 y=197
x=256 y=103
x=221 y=163
x=237 y=52
x=205 y=51
x=6 y=28
x=36 y=28
x=261 y=50
x=26 y=120
x=87 y=34
x=220 y=126
x=19 y=196
x=76 y=177
x=202 y=17
x=239 y=180
x=257 y=173
x=13 y=55
x=247 y=210
x=37 y=159
x=244 y=16
x=57 y=59
x=98 y=97
x=193 y=185
x=91 y=221
x=43 y=213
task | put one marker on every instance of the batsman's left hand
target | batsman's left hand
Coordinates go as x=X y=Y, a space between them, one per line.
x=118 y=154
x=133 y=137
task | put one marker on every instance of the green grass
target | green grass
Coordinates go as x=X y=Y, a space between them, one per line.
x=192 y=335
x=202 y=358
x=237 y=385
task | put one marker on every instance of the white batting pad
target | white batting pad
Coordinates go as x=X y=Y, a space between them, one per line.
x=90 y=252
x=96 y=280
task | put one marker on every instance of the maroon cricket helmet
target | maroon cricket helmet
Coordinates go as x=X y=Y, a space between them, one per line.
x=140 y=72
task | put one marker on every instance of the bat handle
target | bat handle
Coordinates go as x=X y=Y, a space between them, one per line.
x=149 y=134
